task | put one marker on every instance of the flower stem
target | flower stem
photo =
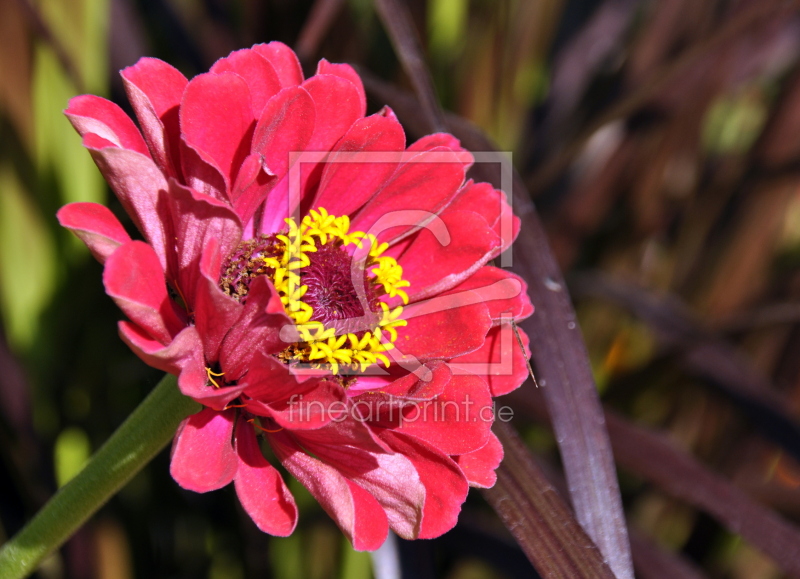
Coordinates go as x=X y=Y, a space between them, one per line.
x=146 y=431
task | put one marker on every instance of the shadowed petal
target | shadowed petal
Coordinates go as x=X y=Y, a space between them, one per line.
x=197 y=219
x=358 y=514
x=141 y=188
x=446 y=486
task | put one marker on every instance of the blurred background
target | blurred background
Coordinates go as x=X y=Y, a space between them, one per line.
x=660 y=140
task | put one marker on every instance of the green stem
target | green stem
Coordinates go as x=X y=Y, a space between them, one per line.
x=146 y=431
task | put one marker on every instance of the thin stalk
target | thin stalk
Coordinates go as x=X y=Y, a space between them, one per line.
x=146 y=431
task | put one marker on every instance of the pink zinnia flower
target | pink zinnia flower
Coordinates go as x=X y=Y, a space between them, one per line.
x=341 y=308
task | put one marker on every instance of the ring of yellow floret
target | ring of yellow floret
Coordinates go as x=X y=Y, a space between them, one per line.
x=320 y=344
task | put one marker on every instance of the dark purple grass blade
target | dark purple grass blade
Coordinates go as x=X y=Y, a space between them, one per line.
x=652 y=562
x=400 y=27
x=561 y=360
x=537 y=516
x=316 y=27
x=703 y=354
x=653 y=457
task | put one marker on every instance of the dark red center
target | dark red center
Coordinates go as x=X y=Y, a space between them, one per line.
x=331 y=291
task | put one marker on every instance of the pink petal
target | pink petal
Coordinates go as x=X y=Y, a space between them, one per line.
x=217 y=120
x=283 y=60
x=446 y=486
x=432 y=267
x=257 y=72
x=140 y=187
x=92 y=114
x=214 y=312
x=338 y=105
x=252 y=186
x=444 y=327
x=345 y=186
x=505 y=293
x=479 y=466
x=429 y=142
x=261 y=489
x=155 y=90
x=387 y=400
x=134 y=278
x=499 y=360
x=96 y=226
x=411 y=197
x=202 y=453
x=357 y=513
x=270 y=381
x=347 y=72
x=197 y=219
x=456 y=422
x=390 y=478
x=311 y=407
x=285 y=126
x=257 y=330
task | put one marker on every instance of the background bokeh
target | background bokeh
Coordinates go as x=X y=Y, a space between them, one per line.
x=661 y=142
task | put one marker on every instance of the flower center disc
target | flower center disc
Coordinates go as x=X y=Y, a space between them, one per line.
x=332 y=283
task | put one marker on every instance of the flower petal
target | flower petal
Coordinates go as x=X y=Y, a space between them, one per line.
x=197 y=218
x=446 y=486
x=479 y=466
x=338 y=105
x=432 y=266
x=456 y=422
x=504 y=292
x=214 y=312
x=141 y=188
x=310 y=407
x=358 y=514
x=96 y=226
x=499 y=360
x=390 y=478
x=443 y=327
x=417 y=192
x=345 y=185
x=257 y=330
x=155 y=89
x=202 y=453
x=134 y=278
x=285 y=126
x=283 y=60
x=257 y=72
x=261 y=489
x=347 y=72
x=92 y=114
x=217 y=120
x=182 y=357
